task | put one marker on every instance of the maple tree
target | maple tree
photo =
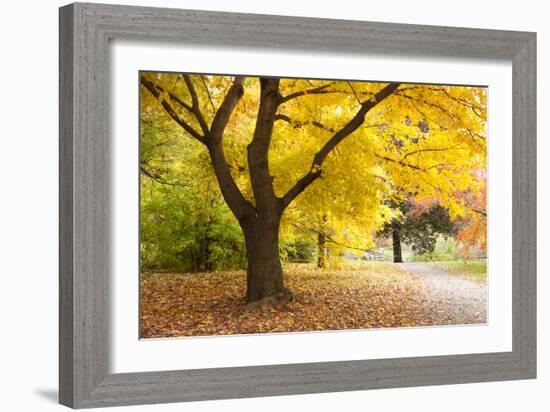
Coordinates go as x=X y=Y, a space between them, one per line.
x=320 y=153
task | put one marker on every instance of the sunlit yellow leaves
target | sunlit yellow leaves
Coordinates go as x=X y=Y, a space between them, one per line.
x=425 y=141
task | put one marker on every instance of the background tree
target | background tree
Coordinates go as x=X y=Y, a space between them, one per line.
x=418 y=226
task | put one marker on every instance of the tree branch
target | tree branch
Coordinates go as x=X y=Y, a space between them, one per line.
x=221 y=118
x=300 y=186
x=345 y=246
x=431 y=104
x=230 y=191
x=298 y=124
x=315 y=90
x=157 y=91
x=319 y=125
x=195 y=106
x=474 y=108
x=354 y=93
x=400 y=162
x=258 y=162
x=480 y=212
x=177 y=100
x=435 y=149
x=349 y=128
x=328 y=239
x=158 y=178
x=208 y=93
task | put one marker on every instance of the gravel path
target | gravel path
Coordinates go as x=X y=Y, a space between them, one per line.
x=452 y=300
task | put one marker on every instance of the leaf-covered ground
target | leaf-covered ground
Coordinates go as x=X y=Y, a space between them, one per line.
x=359 y=295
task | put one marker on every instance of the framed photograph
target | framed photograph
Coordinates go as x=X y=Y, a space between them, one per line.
x=256 y=205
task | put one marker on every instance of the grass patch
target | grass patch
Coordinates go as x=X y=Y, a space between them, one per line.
x=472 y=269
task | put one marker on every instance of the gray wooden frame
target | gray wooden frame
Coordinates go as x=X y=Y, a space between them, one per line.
x=85 y=31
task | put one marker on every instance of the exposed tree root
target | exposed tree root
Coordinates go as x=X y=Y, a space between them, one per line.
x=280 y=300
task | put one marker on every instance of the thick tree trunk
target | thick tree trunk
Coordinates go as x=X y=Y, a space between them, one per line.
x=261 y=227
x=264 y=272
x=397 y=257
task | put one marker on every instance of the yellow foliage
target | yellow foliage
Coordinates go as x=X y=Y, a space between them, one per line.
x=423 y=140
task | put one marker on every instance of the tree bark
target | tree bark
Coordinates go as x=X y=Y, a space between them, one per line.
x=264 y=272
x=397 y=256
x=322 y=253
x=261 y=229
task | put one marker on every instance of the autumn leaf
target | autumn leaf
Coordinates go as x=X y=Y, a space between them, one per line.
x=359 y=295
